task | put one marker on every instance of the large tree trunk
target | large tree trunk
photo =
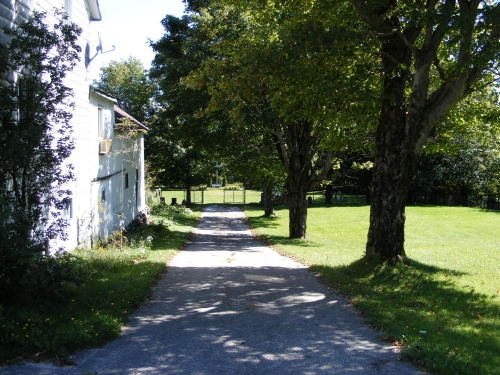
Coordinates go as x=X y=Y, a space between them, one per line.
x=395 y=158
x=388 y=192
x=268 y=200
x=299 y=167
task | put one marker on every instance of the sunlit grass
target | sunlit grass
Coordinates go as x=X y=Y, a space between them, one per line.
x=443 y=305
x=114 y=283
x=211 y=196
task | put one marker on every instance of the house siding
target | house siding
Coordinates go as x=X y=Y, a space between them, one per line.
x=121 y=204
x=83 y=218
x=13 y=12
x=79 y=79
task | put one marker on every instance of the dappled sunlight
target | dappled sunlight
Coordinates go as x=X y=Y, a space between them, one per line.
x=304 y=297
x=238 y=306
x=229 y=304
x=208 y=232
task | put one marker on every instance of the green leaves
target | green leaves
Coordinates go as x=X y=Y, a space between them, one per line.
x=128 y=81
x=35 y=110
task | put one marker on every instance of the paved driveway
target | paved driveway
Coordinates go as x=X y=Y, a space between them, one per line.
x=229 y=305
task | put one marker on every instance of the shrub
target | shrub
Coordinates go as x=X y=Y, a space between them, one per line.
x=170 y=211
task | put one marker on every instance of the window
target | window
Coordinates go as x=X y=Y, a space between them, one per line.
x=126 y=180
x=68 y=211
x=100 y=114
x=137 y=174
x=103 y=196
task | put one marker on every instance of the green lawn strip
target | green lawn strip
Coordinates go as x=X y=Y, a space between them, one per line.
x=212 y=196
x=443 y=305
x=114 y=283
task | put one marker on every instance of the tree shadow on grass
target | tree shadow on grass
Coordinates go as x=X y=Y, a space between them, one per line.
x=346 y=201
x=281 y=241
x=275 y=240
x=340 y=205
x=264 y=222
x=490 y=211
x=444 y=326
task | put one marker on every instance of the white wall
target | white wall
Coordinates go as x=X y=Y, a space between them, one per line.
x=15 y=11
x=90 y=215
x=109 y=171
x=79 y=80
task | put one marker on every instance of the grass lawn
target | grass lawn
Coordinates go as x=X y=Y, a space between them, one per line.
x=114 y=283
x=443 y=305
x=210 y=196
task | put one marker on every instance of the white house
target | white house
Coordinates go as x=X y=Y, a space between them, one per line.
x=117 y=165
x=108 y=185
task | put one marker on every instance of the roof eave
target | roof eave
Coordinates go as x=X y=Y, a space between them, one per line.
x=95 y=11
x=120 y=113
x=103 y=94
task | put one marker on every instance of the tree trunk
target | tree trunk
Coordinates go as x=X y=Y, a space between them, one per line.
x=395 y=158
x=388 y=193
x=188 y=189
x=268 y=200
x=297 y=146
x=328 y=194
x=297 y=205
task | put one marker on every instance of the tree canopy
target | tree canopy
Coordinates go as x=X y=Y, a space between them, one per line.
x=270 y=69
x=129 y=82
x=181 y=144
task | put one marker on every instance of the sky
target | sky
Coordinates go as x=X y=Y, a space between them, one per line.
x=128 y=25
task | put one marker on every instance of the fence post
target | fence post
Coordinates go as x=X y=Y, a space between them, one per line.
x=202 y=196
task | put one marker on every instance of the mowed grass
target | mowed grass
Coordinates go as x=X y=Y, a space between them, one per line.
x=114 y=283
x=210 y=196
x=442 y=306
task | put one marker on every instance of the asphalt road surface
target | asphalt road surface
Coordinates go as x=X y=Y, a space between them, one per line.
x=230 y=305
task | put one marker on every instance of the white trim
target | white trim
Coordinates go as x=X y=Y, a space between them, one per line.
x=95 y=11
x=101 y=93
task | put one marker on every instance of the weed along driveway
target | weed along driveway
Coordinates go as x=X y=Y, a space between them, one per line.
x=229 y=305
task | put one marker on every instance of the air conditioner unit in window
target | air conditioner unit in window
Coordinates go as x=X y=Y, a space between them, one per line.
x=105 y=146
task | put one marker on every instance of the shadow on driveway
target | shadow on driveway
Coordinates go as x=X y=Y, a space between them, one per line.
x=230 y=305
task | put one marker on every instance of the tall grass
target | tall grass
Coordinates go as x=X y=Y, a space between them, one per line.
x=442 y=306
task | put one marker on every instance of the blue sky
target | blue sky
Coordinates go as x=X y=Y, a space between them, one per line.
x=128 y=25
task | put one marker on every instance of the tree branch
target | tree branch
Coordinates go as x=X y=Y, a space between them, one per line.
x=324 y=172
x=439 y=69
x=280 y=144
x=407 y=42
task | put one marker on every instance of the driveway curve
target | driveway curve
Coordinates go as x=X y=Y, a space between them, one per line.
x=229 y=305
